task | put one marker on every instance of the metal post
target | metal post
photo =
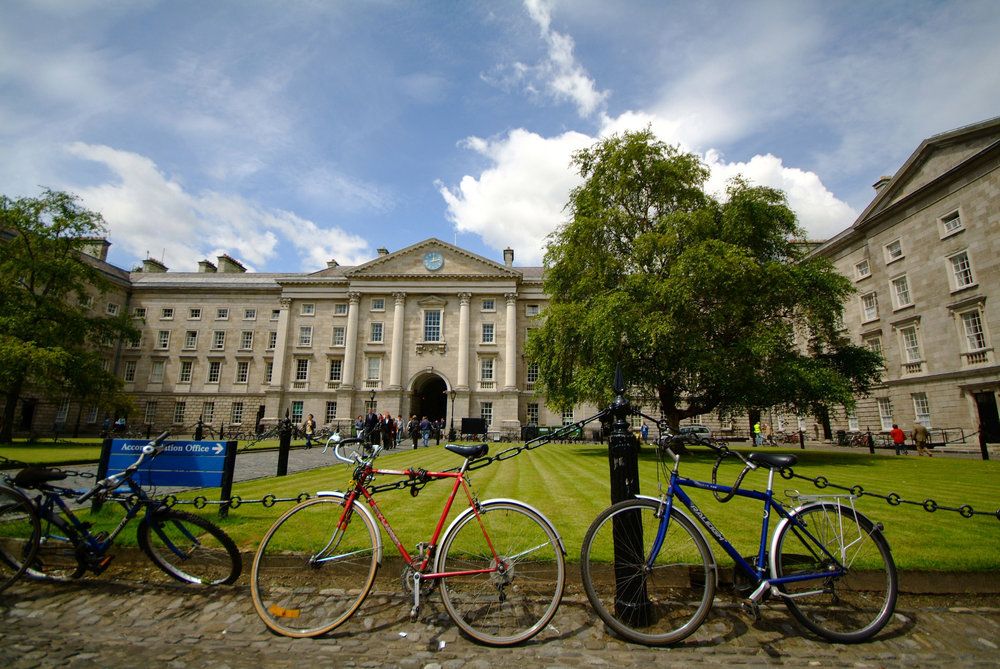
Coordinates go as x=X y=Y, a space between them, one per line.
x=284 y=445
x=199 y=430
x=631 y=598
x=802 y=439
x=982 y=444
x=871 y=442
x=451 y=430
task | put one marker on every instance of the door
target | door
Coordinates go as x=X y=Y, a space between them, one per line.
x=989 y=420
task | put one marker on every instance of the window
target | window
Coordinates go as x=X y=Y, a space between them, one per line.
x=268 y=371
x=911 y=344
x=156 y=371
x=242 y=371
x=184 y=376
x=488 y=333
x=375 y=335
x=218 y=340
x=208 y=412
x=531 y=310
x=862 y=269
x=222 y=314
x=961 y=271
x=489 y=304
x=62 y=412
x=533 y=413
x=486 y=413
x=869 y=307
x=331 y=412
x=128 y=373
x=87 y=301
x=134 y=344
x=191 y=339
x=150 y=413
x=378 y=304
x=308 y=309
x=275 y=314
x=194 y=314
x=885 y=413
x=901 y=292
x=951 y=224
x=91 y=417
x=236 y=416
x=112 y=309
x=139 y=312
x=339 y=335
x=922 y=409
x=893 y=251
x=301 y=369
x=972 y=326
x=852 y=421
x=272 y=340
x=163 y=340
x=432 y=325
x=305 y=335
x=167 y=314
x=532 y=376
x=486 y=371
x=373 y=369
x=336 y=370
x=246 y=340
x=567 y=417
x=340 y=309
x=180 y=408
x=214 y=371
x=249 y=314
x=297 y=411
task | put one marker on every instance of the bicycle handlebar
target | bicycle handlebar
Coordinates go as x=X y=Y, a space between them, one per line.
x=150 y=450
x=338 y=442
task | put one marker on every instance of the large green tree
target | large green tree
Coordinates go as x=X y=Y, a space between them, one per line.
x=49 y=342
x=705 y=304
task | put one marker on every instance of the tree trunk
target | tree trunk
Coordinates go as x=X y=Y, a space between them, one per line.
x=10 y=408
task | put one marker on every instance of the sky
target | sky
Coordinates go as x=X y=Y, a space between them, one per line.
x=290 y=133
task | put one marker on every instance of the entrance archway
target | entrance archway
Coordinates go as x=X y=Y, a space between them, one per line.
x=429 y=398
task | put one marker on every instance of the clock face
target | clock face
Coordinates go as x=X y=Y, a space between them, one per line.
x=433 y=260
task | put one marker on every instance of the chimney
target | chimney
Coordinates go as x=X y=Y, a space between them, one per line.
x=95 y=247
x=152 y=265
x=206 y=267
x=383 y=251
x=331 y=263
x=231 y=265
x=881 y=183
x=508 y=257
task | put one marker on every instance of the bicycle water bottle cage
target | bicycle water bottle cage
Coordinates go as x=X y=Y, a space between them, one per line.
x=35 y=476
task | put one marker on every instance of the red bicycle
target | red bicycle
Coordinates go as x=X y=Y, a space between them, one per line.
x=500 y=563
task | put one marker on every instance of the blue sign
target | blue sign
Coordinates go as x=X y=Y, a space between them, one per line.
x=191 y=464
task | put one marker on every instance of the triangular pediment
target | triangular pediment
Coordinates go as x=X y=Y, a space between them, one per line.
x=935 y=159
x=430 y=259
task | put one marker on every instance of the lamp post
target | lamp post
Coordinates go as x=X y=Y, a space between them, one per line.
x=451 y=429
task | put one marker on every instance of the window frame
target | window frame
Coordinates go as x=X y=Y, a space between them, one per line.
x=897 y=294
x=889 y=254
x=953 y=272
x=865 y=318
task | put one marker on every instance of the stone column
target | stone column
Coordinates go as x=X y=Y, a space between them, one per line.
x=510 y=353
x=351 y=340
x=463 y=341
x=396 y=361
x=281 y=345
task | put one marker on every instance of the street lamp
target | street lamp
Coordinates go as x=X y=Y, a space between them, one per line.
x=451 y=430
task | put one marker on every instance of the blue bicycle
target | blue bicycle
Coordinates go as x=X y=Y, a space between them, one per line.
x=649 y=572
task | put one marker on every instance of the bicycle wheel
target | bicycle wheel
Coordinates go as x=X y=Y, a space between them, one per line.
x=58 y=557
x=311 y=572
x=19 y=534
x=517 y=598
x=654 y=606
x=849 y=608
x=189 y=548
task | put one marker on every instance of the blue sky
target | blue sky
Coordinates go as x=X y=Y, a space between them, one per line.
x=289 y=133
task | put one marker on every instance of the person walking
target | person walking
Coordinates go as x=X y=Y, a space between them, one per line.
x=371 y=427
x=388 y=426
x=644 y=432
x=425 y=432
x=309 y=429
x=898 y=438
x=920 y=437
x=399 y=429
x=757 y=435
x=413 y=427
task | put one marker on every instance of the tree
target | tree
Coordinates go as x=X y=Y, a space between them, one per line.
x=705 y=304
x=49 y=341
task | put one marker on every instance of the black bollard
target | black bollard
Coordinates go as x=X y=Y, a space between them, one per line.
x=982 y=445
x=284 y=445
x=802 y=440
x=199 y=430
x=631 y=599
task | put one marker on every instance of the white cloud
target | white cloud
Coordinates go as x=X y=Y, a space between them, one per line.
x=150 y=213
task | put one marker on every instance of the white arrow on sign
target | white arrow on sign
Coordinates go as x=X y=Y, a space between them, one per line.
x=218 y=449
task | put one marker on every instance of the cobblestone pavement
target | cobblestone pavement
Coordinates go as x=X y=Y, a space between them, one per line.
x=114 y=621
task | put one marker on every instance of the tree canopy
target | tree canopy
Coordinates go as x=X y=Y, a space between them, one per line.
x=50 y=341
x=705 y=303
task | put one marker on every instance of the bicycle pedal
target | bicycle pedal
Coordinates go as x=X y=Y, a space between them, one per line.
x=751 y=609
x=413 y=615
x=103 y=564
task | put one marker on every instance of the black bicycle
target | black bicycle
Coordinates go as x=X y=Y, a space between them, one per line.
x=187 y=547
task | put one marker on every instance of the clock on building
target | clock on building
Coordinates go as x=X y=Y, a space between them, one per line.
x=433 y=260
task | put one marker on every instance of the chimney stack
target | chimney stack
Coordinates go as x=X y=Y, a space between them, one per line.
x=230 y=265
x=152 y=265
x=206 y=267
x=508 y=257
x=331 y=263
x=382 y=251
x=881 y=183
x=95 y=247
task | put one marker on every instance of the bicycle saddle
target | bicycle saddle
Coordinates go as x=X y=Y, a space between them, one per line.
x=471 y=452
x=34 y=476
x=773 y=460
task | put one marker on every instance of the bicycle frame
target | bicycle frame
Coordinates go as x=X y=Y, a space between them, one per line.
x=758 y=570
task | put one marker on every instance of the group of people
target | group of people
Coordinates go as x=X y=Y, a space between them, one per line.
x=385 y=430
x=920 y=437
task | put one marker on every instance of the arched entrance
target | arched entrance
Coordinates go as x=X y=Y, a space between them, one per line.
x=429 y=397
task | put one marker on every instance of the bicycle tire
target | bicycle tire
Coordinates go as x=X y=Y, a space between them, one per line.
x=847 y=609
x=298 y=589
x=59 y=555
x=654 y=607
x=189 y=548
x=505 y=607
x=19 y=534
